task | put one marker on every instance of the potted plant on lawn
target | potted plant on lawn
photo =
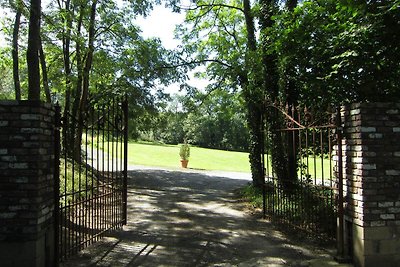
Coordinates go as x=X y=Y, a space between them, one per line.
x=184 y=153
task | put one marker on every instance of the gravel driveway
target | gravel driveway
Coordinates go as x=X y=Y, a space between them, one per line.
x=192 y=218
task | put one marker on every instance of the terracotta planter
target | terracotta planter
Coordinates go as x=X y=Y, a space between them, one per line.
x=184 y=163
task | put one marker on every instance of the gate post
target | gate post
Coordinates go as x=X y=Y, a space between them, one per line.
x=26 y=184
x=341 y=254
x=125 y=181
x=57 y=151
x=371 y=161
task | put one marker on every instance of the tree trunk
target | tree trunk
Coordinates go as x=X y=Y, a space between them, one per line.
x=279 y=159
x=254 y=99
x=255 y=124
x=86 y=78
x=291 y=4
x=79 y=65
x=66 y=53
x=44 y=73
x=67 y=70
x=17 y=84
x=292 y=140
x=78 y=88
x=249 y=18
x=89 y=58
x=67 y=43
x=32 y=55
x=291 y=101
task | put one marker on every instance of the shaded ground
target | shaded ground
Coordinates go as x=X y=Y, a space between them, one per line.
x=187 y=218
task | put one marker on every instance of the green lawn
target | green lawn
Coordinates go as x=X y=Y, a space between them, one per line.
x=317 y=168
x=200 y=158
x=161 y=155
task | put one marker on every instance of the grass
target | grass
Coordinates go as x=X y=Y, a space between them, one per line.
x=253 y=195
x=149 y=154
x=162 y=155
x=73 y=181
x=317 y=168
x=304 y=207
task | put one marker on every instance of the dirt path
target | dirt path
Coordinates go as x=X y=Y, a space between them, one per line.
x=178 y=218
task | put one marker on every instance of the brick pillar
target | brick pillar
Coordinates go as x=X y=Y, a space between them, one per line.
x=371 y=166
x=26 y=184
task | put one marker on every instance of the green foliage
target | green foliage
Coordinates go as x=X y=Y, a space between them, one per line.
x=307 y=207
x=184 y=151
x=73 y=181
x=323 y=52
x=222 y=36
x=215 y=36
x=339 y=51
x=6 y=82
x=253 y=195
x=212 y=120
x=217 y=120
x=170 y=127
x=123 y=61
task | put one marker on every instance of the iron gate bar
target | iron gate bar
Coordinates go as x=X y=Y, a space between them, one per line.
x=125 y=199
x=92 y=200
x=92 y=174
x=314 y=197
x=340 y=238
x=57 y=122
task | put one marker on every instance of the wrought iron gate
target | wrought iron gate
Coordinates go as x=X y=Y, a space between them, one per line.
x=91 y=187
x=304 y=192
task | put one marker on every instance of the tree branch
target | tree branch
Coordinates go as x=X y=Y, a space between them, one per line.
x=198 y=62
x=210 y=6
x=103 y=29
x=232 y=34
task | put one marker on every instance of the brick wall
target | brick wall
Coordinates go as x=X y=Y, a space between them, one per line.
x=26 y=183
x=371 y=167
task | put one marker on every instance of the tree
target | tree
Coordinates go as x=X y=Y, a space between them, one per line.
x=6 y=82
x=327 y=53
x=251 y=82
x=15 y=55
x=32 y=55
x=43 y=66
x=101 y=55
x=227 y=33
x=291 y=92
x=279 y=159
x=341 y=51
x=216 y=119
x=82 y=98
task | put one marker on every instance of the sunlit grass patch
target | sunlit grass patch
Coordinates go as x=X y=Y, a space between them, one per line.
x=162 y=155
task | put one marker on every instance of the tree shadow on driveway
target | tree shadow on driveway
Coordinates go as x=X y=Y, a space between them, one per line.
x=179 y=218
